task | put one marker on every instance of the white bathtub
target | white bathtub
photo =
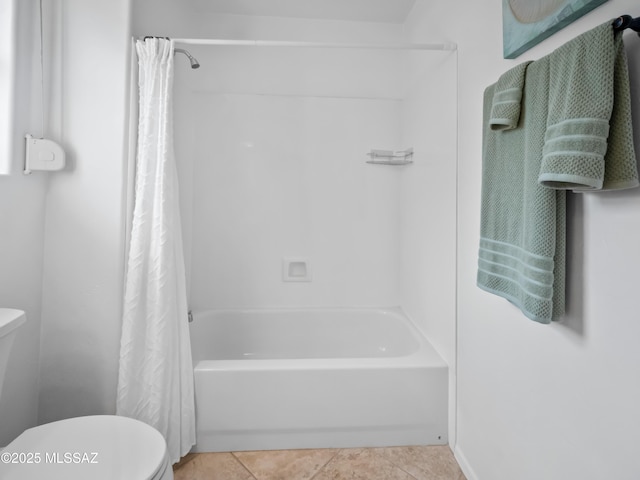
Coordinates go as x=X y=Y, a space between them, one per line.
x=315 y=378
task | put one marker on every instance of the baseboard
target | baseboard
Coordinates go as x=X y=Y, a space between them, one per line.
x=464 y=464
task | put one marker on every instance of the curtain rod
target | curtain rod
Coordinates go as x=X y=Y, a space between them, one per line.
x=280 y=43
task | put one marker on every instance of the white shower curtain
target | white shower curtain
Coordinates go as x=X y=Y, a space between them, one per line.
x=155 y=383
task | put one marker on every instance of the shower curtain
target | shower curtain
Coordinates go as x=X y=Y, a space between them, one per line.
x=155 y=383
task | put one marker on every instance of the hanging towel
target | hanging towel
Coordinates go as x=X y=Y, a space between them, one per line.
x=505 y=109
x=574 y=132
x=522 y=244
x=589 y=137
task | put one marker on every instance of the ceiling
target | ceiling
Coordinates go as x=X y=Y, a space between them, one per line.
x=382 y=11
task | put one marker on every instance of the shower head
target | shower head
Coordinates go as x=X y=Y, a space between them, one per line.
x=194 y=62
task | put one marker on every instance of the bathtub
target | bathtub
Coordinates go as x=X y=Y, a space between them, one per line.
x=315 y=378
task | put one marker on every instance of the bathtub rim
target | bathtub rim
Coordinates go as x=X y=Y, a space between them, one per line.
x=425 y=356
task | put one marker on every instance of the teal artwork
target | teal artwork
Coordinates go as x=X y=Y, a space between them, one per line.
x=525 y=23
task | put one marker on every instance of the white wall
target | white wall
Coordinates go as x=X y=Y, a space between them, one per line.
x=84 y=236
x=275 y=141
x=537 y=401
x=21 y=239
x=179 y=19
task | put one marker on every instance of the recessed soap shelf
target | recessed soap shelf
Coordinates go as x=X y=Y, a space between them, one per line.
x=391 y=157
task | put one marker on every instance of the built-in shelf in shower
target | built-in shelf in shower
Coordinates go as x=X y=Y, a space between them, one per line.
x=391 y=157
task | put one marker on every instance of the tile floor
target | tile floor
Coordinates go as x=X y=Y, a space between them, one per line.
x=397 y=463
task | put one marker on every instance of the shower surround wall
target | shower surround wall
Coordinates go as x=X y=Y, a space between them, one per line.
x=278 y=176
x=428 y=207
x=273 y=145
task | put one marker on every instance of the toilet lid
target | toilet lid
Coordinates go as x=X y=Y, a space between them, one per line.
x=103 y=447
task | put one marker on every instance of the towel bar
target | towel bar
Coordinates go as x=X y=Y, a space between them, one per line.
x=627 y=21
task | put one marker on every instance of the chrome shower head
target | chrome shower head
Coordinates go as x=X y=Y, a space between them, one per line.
x=194 y=62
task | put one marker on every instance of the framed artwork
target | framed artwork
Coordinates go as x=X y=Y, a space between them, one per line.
x=525 y=23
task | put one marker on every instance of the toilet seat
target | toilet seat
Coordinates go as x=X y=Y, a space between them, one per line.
x=101 y=447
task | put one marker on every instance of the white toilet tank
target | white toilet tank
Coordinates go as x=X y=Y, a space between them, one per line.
x=10 y=320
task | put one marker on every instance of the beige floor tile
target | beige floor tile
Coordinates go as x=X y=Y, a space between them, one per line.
x=211 y=466
x=361 y=464
x=186 y=459
x=424 y=463
x=285 y=464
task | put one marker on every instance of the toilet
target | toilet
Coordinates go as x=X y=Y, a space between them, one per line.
x=99 y=447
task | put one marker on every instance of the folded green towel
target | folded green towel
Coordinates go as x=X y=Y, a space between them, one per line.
x=505 y=109
x=589 y=138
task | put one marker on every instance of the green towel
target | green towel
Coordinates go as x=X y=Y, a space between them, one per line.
x=589 y=138
x=574 y=132
x=505 y=109
x=522 y=244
